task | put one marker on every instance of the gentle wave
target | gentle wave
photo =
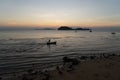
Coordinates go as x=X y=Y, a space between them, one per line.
x=23 y=51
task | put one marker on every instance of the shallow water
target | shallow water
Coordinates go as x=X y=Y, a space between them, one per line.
x=22 y=50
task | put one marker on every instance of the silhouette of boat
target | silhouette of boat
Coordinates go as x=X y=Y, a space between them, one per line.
x=51 y=43
x=113 y=33
x=90 y=31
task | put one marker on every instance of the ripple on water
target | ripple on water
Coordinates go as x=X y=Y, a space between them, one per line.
x=19 y=54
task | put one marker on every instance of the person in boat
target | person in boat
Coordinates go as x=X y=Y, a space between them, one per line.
x=49 y=41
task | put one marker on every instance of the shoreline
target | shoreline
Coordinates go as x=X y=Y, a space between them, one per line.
x=104 y=67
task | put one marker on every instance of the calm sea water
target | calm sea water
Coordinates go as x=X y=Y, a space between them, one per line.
x=22 y=50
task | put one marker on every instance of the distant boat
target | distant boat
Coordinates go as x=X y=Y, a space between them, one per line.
x=90 y=31
x=51 y=43
x=113 y=33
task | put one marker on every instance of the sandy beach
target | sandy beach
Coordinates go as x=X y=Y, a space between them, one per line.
x=99 y=68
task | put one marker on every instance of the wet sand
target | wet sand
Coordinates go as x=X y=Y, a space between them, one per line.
x=99 y=68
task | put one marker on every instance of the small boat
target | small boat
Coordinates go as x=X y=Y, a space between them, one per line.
x=51 y=43
x=90 y=31
x=113 y=33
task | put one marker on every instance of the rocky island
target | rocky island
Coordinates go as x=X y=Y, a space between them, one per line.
x=69 y=28
x=65 y=28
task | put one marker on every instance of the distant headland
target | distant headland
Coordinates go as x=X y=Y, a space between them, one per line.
x=65 y=28
x=69 y=28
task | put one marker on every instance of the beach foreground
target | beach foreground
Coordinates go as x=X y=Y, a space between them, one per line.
x=99 y=68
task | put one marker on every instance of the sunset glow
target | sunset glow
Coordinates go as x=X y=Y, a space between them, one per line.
x=55 y=13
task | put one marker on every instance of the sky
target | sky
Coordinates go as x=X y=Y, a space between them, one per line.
x=55 y=13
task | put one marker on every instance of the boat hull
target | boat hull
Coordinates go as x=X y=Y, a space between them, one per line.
x=51 y=43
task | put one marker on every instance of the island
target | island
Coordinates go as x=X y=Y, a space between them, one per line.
x=69 y=28
x=65 y=28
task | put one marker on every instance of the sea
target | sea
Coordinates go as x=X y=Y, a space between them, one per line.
x=21 y=50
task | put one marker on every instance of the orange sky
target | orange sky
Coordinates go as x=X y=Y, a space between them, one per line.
x=55 y=13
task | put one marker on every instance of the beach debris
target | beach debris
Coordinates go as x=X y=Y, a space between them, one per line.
x=106 y=55
x=58 y=69
x=74 y=61
x=70 y=63
x=113 y=54
x=47 y=75
x=26 y=77
x=70 y=68
x=92 y=57
x=30 y=71
x=83 y=57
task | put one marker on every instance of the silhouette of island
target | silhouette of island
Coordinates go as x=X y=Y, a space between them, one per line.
x=65 y=28
x=69 y=28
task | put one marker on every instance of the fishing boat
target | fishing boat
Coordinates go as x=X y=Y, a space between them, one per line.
x=90 y=31
x=51 y=43
x=113 y=33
